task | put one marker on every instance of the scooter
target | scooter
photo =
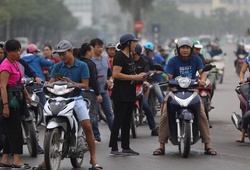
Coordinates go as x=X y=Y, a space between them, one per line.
x=206 y=93
x=242 y=91
x=239 y=63
x=218 y=61
x=64 y=135
x=183 y=106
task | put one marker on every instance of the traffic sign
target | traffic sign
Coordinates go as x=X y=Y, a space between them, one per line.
x=138 y=25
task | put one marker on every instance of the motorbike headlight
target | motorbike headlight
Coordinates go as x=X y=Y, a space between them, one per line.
x=60 y=90
x=184 y=82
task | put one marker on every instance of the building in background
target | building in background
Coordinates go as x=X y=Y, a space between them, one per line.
x=200 y=8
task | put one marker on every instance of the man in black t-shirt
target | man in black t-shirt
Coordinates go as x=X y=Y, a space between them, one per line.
x=142 y=66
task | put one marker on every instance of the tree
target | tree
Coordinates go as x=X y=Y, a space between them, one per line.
x=35 y=19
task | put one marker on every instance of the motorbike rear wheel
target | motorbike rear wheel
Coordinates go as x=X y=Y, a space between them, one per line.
x=52 y=156
x=185 y=141
x=30 y=134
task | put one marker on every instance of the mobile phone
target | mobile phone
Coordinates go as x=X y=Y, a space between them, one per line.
x=58 y=75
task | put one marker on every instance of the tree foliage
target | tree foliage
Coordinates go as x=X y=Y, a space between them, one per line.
x=38 y=20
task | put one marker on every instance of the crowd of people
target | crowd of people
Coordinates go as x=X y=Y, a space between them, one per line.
x=113 y=78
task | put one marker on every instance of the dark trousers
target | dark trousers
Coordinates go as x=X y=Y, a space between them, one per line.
x=149 y=114
x=13 y=139
x=122 y=119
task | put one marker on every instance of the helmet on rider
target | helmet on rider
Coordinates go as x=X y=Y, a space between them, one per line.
x=110 y=45
x=149 y=46
x=184 y=41
x=197 y=44
x=138 y=49
x=127 y=37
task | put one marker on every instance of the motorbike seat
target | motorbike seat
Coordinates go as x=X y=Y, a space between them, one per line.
x=244 y=88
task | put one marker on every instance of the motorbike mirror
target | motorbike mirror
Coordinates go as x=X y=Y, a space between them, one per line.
x=158 y=67
x=207 y=67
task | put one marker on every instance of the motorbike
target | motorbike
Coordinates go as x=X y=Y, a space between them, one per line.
x=183 y=107
x=35 y=107
x=242 y=91
x=206 y=93
x=64 y=135
x=218 y=61
x=138 y=117
x=239 y=63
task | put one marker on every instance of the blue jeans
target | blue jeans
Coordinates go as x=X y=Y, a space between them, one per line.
x=42 y=98
x=149 y=114
x=108 y=111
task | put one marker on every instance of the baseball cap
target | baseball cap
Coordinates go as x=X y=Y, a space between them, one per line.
x=32 y=48
x=62 y=46
x=197 y=44
x=110 y=45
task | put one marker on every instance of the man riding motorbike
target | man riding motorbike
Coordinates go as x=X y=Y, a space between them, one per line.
x=216 y=50
x=246 y=117
x=184 y=63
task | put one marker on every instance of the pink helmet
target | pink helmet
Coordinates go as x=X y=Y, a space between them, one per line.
x=32 y=48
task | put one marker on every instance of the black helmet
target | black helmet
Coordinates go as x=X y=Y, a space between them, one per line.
x=138 y=49
x=127 y=37
x=184 y=41
x=110 y=45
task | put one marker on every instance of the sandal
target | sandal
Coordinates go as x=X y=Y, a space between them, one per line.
x=159 y=151
x=240 y=141
x=4 y=165
x=24 y=166
x=38 y=167
x=95 y=167
x=210 y=151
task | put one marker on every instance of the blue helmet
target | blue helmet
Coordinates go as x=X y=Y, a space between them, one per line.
x=138 y=48
x=149 y=46
x=127 y=37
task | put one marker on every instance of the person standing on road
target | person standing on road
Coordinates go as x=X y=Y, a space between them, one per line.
x=110 y=49
x=86 y=54
x=47 y=51
x=14 y=106
x=105 y=82
x=124 y=94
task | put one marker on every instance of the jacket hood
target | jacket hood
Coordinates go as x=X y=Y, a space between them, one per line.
x=29 y=57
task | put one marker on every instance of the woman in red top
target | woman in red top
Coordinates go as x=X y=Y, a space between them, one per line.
x=47 y=51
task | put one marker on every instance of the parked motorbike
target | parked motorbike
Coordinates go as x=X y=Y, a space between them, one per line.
x=29 y=128
x=64 y=135
x=35 y=107
x=183 y=106
x=242 y=91
x=218 y=61
x=239 y=63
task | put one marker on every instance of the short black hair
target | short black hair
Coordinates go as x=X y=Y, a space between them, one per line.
x=47 y=45
x=12 y=45
x=77 y=53
x=96 y=41
x=85 y=48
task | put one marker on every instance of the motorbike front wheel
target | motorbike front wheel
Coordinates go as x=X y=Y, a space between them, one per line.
x=133 y=125
x=185 y=141
x=52 y=154
x=220 y=78
x=30 y=135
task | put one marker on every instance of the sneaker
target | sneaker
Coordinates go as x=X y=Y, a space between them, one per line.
x=154 y=132
x=130 y=152
x=40 y=150
x=117 y=154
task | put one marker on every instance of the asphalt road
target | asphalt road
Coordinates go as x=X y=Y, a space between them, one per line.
x=231 y=155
